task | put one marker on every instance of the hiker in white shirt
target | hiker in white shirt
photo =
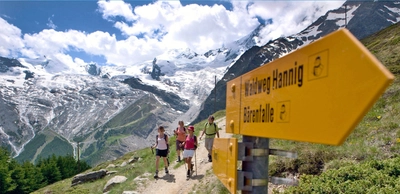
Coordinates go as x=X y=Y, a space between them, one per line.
x=161 y=149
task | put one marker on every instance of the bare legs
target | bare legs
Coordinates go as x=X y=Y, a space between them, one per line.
x=158 y=162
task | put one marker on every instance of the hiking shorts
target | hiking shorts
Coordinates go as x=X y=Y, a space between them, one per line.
x=188 y=153
x=178 y=146
x=161 y=153
x=209 y=144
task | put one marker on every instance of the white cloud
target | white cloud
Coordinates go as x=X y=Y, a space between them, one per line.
x=10 y=39
x=50 y=23
x=289 y=17
x=111 y=9
x=154 y=28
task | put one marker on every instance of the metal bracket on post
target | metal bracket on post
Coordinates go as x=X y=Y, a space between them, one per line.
x=246 y=151
x=246 y=181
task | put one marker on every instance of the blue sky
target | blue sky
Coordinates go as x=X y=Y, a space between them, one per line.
x=120 y=32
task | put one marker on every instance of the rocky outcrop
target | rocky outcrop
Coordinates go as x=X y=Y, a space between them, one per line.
x=91 y=176
x=174 y=100
x=6 y=63
x=113 y=181
x=92 y=69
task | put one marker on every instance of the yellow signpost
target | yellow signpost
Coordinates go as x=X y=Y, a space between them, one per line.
x=319 y=93
x=225 y=162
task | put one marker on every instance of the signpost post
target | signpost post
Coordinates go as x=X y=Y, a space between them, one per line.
x=319 y=93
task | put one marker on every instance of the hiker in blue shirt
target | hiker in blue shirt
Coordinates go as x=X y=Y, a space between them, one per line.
x=210 y=129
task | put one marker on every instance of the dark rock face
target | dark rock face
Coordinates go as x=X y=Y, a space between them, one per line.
x=370 y=17
x=28 y=74
x=11 y=123
x=156 y=72
x=174 y=100
x=92 y=69
x=6 y=63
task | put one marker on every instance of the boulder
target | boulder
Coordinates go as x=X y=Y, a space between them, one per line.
x=113 y=181
x=91 y=176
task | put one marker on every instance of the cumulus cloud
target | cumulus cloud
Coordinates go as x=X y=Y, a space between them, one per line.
x=111 y=9
x=10 y=39
x=154 y=28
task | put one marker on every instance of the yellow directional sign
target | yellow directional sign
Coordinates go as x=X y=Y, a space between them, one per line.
x=225 y=151
x=319 y=93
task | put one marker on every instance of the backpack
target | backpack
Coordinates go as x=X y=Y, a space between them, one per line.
x=184 y=129
x=195 y=140
x=215 y=127
x=165 y=137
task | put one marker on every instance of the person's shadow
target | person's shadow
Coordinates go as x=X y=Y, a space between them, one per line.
x=170 y=178
x=197 y=177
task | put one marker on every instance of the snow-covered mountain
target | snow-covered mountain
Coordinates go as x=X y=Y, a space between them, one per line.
x=49 y=107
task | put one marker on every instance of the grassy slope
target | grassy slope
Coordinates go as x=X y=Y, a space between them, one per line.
x=44 y=145
x=135 y=119
x=375 y=138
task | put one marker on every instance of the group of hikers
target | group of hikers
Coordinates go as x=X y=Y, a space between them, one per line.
x=186 y=142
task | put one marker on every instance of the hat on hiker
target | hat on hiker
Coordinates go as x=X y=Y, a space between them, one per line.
x=191 y=128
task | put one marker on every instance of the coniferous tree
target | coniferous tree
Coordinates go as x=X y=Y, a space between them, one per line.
x=5 y=174
x=82 y=166
x=33 y=176
x=26 y=178
x=49 y=169
x=17 y=177
x=67 y=165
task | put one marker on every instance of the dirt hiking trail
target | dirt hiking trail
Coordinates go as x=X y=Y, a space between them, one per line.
x=176 y=182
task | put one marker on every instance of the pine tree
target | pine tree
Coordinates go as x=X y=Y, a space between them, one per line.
x=5 y=174
x=33 y=177
x=67 y=165
x=49 y=169
x=18 y=177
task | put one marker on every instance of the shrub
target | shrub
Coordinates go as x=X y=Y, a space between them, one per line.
x=374 y=176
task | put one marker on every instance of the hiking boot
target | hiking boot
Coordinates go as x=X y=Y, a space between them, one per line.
x=179 y=159
x=156 y=174
x=188 y=174
x=209 y=158
x=166 y=171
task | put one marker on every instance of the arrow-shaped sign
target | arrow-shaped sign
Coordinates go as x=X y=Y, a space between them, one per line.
x=319 y=93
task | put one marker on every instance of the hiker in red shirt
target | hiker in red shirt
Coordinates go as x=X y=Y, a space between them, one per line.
x=190 y=145
x=180 y=134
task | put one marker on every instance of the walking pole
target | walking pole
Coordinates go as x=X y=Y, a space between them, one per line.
x=195 y=161
x=184 y=160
